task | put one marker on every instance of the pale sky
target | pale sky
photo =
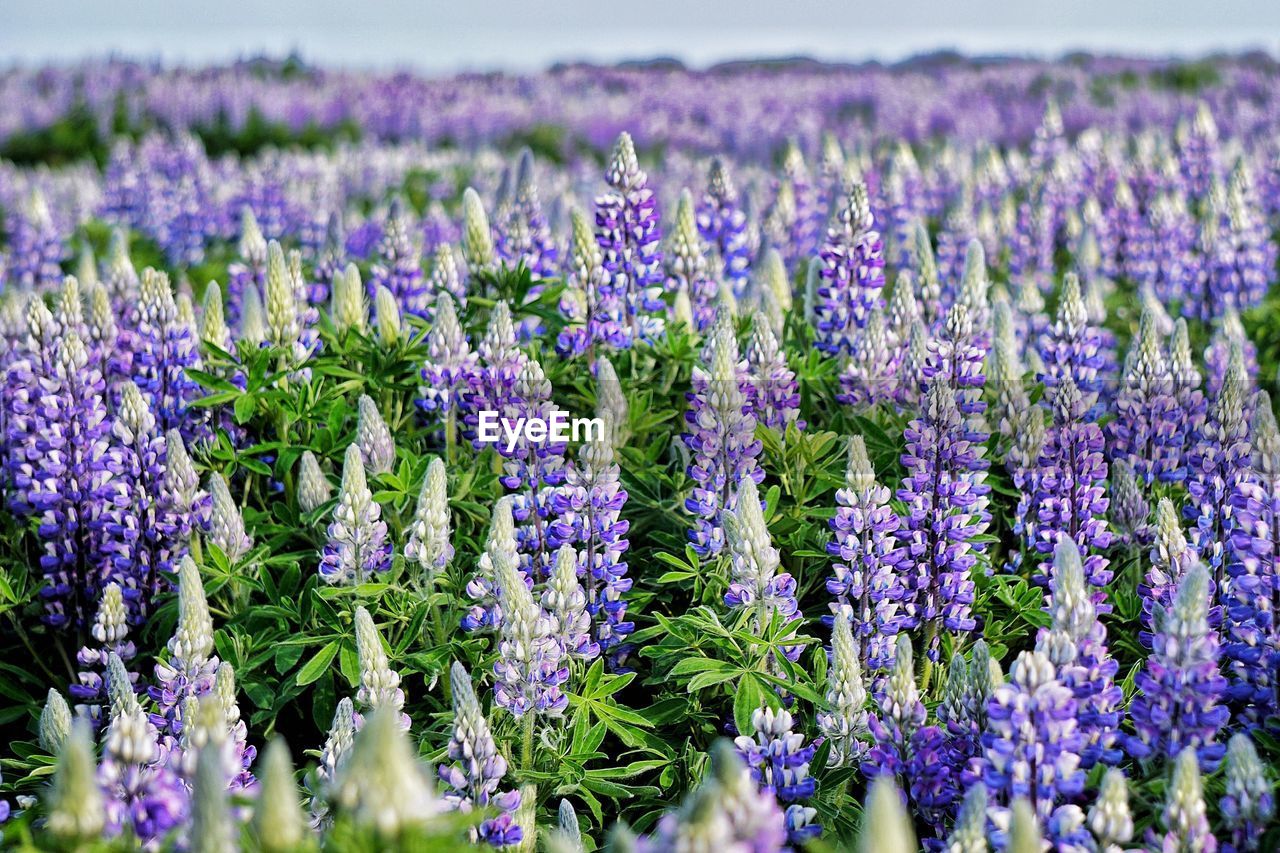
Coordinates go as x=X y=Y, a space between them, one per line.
x=511 y=35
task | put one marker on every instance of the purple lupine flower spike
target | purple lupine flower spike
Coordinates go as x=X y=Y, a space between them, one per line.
x=565 y=604
x=1145 y=432
x=852 y=275
x=943 y=514
x=1178 y=691
x=1032 y=742
x=483 y=587
x=845 y=724
x=428 y=550
x=686 y=265
x=531 y=665
x=779 y=762
x=1249 y=802
x=478 y=767
x=163 y=349
x=523 y=234
x=110 y=633
x=722 y=224
x=1076 y=643
x=399 y=265
x=1130 y=513
x=867 y=585
x=777 y=395
x=373 y=438
x=1184 y=818
x=628 y=233
x=1250 y=630
x=358 y=548
x=755 y=585
x=721 y=438
x=190 y=668
x=1216 y=463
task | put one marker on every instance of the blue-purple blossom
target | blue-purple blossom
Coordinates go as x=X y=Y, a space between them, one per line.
x=776 y=394
x=523 y=236
x=628 y=233
x=358 y=548
x=110 y=633
x=756 y=586
x=686 y=264
x=722 y=224
x=778 y=759
x=844 y=724
x=477 y=767
x=1176 y=705
x=1248 y=805
x=1185 y=818
x=531 y=664
x=852 y=275
x=399 y=263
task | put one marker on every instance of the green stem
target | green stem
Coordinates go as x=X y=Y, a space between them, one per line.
x=526 y=746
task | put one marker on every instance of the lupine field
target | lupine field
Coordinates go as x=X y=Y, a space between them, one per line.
x=926 y=496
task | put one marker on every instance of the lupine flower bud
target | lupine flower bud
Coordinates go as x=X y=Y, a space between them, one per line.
x=379 y=683
x=120 y=688
x=568 y=834
x=477 y=238
x=213 y=829
x=74 y=808
x=970 y=832
x=253 y=319
x=428 y=547
x=336 y=751
x=1248 y=804
x=1024 y=829
x=377 y=448
x=55 y=723
x=1110 y=820
x=213 y=321
x=773 y=277
x=226 y=525
x=193 y=639
x=314 y=489
x=756 y=585
x=388 y=312
x=357 y=549
x=382 y=785
x=611 y=399
x=845 y=724
x=349 y=307
x=531 y=664
x=277 y=817
x=687 y=269
x=885 y=825
x=1184 y=818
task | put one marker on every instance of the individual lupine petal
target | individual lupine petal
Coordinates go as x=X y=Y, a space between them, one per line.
x=253 y=318
x=55 y=723
x=1184 y=817
x=886 y=828
x=845 y=723
x=388 y=314
x=428 y=548
x=213 y=828
x=1248 y=804
x=477 y=237
x=213 y=322
x=74 y=811
x=226 y=525
x=1110 y=820
x=970 y=832
x=1176 y=703
x=278 y=823
x=383 y=786
x=566 y=606
x=349 y=307
x=314 y=489
x=379 y=683
x=358 y=548
x=1024 y=829
x=479 y=768
x=377 y=447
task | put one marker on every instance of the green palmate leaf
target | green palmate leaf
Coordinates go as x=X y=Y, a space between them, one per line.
x=318 y=665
